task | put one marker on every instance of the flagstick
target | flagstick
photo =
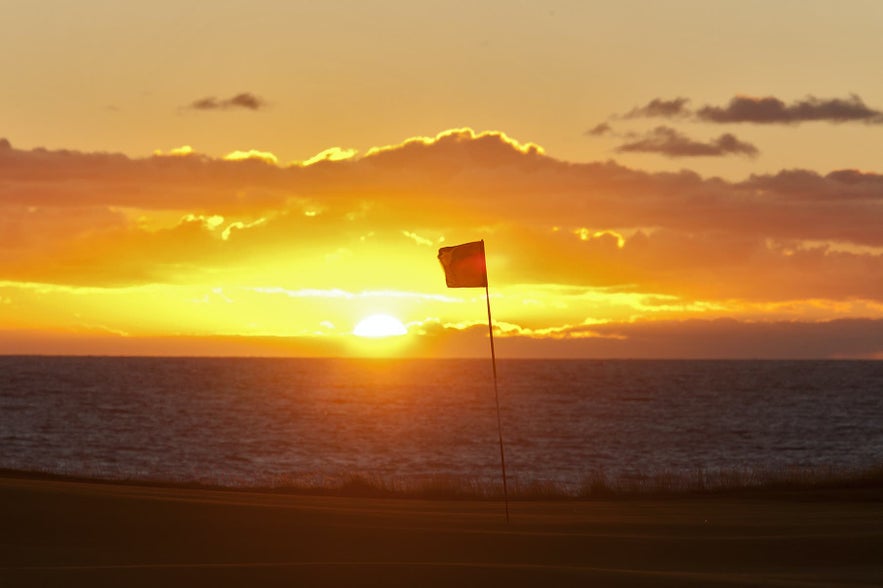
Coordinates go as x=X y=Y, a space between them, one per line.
x=497 y=400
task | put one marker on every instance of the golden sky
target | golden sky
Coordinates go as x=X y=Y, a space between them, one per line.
x=683 y=179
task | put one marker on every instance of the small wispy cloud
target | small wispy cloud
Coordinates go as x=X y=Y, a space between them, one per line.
x=671 y=143
x=599 y=129
x=245 y=100
x=660 y=108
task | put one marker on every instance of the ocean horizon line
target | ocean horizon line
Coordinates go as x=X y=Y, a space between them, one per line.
x=446 y=358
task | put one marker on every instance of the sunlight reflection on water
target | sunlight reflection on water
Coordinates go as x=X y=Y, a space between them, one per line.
x=248 y=421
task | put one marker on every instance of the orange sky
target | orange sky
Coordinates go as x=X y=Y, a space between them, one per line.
x=740 y=220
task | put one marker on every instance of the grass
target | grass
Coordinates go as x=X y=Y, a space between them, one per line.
x=858 y=482
x=745 y=481
x=865 y=483
x=811 y=482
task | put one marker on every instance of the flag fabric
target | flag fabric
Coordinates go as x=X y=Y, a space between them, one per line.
x=464 y=265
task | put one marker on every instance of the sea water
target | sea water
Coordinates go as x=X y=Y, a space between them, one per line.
x=248 y=421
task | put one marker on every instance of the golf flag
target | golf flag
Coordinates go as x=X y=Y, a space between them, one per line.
x=464 y=265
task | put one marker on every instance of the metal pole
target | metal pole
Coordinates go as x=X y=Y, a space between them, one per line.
x=497 y=400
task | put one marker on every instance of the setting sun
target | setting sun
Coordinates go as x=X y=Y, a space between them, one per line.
x=659 y=214
x=379 y=325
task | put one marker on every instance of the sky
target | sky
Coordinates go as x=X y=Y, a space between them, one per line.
x=652 y=180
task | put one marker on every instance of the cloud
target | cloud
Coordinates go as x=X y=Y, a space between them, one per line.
x=714 y=339
x=762 y=110
x=107 y=219
x=659 y=107
x=245 y=100
x=584 y=255
x=671 y=143
x=842 y=185
x=599 y=129
x=487 y=176
x=240 y=155
x=771 y=110
x=330 y=154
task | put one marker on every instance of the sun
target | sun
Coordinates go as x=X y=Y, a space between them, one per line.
x=379 y=325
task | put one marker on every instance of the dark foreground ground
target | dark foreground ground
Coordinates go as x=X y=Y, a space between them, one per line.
x=69 y=533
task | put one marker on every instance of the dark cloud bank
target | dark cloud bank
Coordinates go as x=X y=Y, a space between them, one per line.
x=710 y=237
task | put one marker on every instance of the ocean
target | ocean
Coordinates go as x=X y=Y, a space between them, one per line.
x=258 y=422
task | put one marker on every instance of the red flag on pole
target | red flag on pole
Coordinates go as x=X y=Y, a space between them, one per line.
x=464 y=265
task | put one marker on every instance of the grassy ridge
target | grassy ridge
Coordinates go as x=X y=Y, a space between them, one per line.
x=866 y=482
x=857 y=483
